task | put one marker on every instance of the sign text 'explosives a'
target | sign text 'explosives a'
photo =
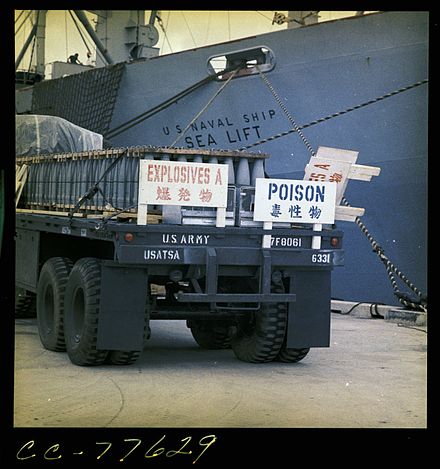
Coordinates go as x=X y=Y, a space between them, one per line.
x=284 y=200
x=183 y=183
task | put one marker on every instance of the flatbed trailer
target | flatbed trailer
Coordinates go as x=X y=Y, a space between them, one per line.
x=99 y=278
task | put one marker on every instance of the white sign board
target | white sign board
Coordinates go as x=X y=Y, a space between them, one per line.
x=323 y=169
x=183 y=183
x=285 y=200
x=333 y=165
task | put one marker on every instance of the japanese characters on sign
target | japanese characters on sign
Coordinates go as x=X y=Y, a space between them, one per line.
x=332 y=165
x=183 y=183
x=283 y=200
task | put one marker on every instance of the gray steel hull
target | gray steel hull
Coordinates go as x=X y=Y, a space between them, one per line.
x=319 y=70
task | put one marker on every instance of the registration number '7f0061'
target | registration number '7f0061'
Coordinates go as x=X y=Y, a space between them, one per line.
x=321 y=258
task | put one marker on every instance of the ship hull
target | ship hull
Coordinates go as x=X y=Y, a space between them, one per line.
x=318 y=71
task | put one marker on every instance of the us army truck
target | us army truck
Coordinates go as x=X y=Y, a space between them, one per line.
x=108 y=241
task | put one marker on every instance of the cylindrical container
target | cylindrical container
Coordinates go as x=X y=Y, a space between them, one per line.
x=257 y=170
x=242 y=173
x=231 y=173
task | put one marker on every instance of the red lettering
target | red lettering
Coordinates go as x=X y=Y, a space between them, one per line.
x=183 y=174
x=150 y=173
x=322 y=166
x=317 y=177
x=163 y=172
x=157 y=171
x=200 y=177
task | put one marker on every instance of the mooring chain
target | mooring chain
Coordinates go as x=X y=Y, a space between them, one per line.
x=336 y=114
x=295 y=126
x=390 y=267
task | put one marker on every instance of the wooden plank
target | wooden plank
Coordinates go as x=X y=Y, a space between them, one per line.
x=267 y=239
x=220 y=221
x=343 y=213
x=138 y=152
x=152 y=218
x=47 y=212
x=316 y=240
x=337 y=154
x=362 y=172
x=329 y=170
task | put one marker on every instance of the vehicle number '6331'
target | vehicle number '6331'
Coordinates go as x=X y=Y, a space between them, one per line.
x=321 y=258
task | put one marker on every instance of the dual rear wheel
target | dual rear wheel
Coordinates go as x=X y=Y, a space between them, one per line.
x=68 y=302
x=259 y=337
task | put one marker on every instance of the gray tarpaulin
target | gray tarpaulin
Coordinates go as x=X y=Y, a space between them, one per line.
x=37 y=134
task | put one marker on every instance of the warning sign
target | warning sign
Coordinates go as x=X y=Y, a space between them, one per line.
x=183 y=183
x=283 y=200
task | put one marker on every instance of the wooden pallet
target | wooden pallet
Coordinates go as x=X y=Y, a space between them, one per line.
x=152 y=218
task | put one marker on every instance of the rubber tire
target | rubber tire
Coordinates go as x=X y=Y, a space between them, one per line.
x=25 y=303
x=260 y=338
x=291 y=355
x=82 y=303
x=122 y=357
x=50 y=302
x=211 y=334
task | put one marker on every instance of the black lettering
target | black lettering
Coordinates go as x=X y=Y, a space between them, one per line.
x=203 y=126
x=166 y=130
x=271 y=113
x=189 y=142
x=320 y=190
x=298 y=191
x=246 y=118
x=211 y=140
x=230 y=138
x=199 y=140
x=220 y=123
x=254 y=116
x=283 y=192
x=179 y=129
x=310 y=192
x=229 y=123
x=256 y=127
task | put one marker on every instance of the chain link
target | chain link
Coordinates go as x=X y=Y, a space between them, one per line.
x=286 y=112
x=336 y=114
x=391 y=269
